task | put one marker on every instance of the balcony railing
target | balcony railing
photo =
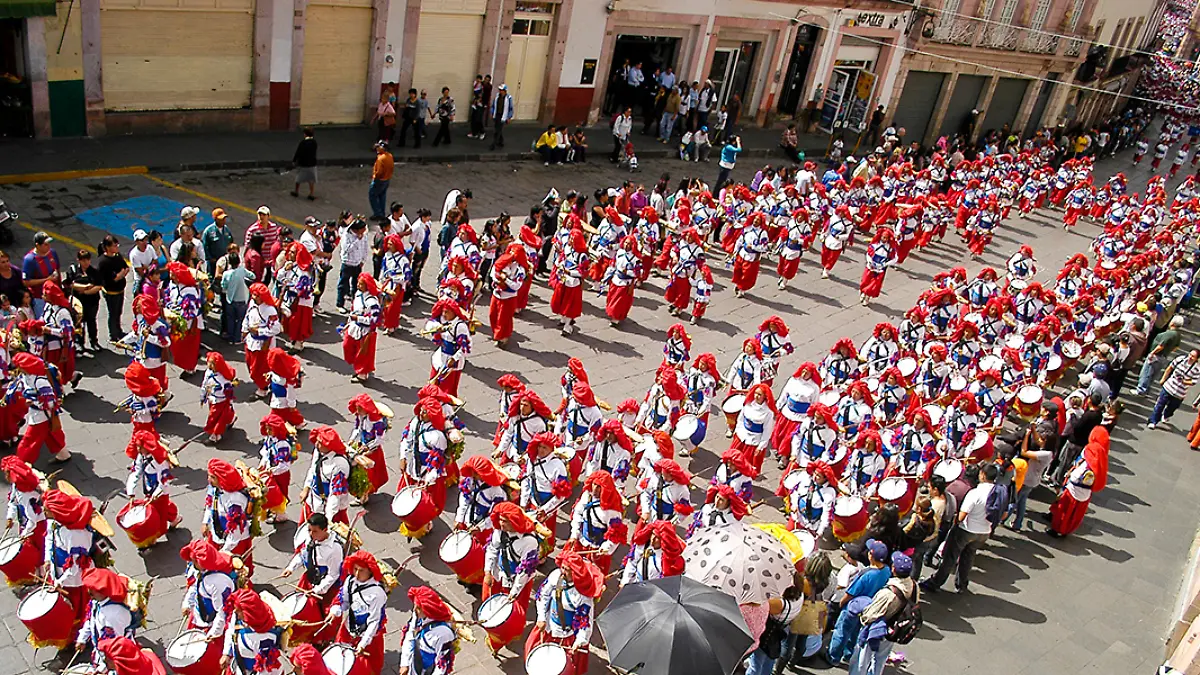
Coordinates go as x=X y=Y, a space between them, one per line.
x=1001 y=37
x=956 y=31
x=1074 y=47
x=1039 y=43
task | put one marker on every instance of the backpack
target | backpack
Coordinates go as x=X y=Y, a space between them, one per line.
x=903 y=626
x=771 y=640
x=997 y=504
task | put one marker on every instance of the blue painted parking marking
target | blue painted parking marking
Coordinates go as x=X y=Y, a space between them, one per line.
x=148 y=212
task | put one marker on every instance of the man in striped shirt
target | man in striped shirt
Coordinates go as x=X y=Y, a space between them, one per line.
x=1176 y=380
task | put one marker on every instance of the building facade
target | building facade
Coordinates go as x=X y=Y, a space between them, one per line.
x=1125 y=30
x=976 y=65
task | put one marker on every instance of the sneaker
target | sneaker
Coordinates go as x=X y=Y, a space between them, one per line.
x=1152 y=425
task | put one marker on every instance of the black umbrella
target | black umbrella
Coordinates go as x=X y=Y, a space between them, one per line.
x=674 y=626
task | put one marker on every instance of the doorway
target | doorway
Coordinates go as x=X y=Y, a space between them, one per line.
x=527 y=56
x=724 y=65
x=652 y=51
x=732 y=66
x=797 y=73
x=16 y=94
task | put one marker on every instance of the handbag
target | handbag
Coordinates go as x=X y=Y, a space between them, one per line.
x=811 y=619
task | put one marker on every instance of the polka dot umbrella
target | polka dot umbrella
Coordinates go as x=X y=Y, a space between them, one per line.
x=745 y=562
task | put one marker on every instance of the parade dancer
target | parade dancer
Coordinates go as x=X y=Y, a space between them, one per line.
x=746 y=369
x=772 y=337
x=59 y=331
x=424 y=462
x=703 y=294
x=838 y=232
x=276 y=454
x=327 y=484
x=451 y=334
x=597 y=523
x=297 y=283
x=25 y=516
x=259 y=329
x=626 y=270
x=370 y=427
x=881 y=254
x=747 y=252
x=361 y=328
x=508 y=277
x=394 y=278
x=794 y=240
x=152 y=337
x=682 y=261
x=216 y=391
x=186 y=299
x=148 y=486
x=677 y=349
x=41 y=393
x=566 y=280
x=286 y=378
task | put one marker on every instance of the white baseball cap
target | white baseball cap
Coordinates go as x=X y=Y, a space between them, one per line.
x=189 y=212
x=264 y=211
x=139 y=235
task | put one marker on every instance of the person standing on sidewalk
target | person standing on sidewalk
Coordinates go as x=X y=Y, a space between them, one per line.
x=728 y=161
x=622 y=125
x=445 y=115
x=670 y=113
x=355 y=251
x=381 y=176
x=216 y=239
x=235 y=286
x=112 y=269
x=40 y=265
x=270 y=232
x=969 y=534
x=410 y=114
x=1176 y=380
x=305 y=162
x=502 y=112
x=83 y=281
x=1160 y=351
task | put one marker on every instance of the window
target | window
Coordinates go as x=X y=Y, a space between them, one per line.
x=531 y=27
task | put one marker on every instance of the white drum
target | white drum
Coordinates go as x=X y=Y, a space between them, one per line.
x=135 y=516
x=79 y=669
x=733 y=404
x=1016 y=341
x=872 y=384
x=1072 y=350
x=829 y=397
x=958 y=383
x=339 y=659
x=936 y=412
x=548 y=659
x=978 y=439
x=37 y=604
x=808 y=542
x=907 y=367
x=512 y=470
x=1053 y=363
x=991 y=362
x=10 y=547
x=892 y=489
x=187 y=649
x=455 y=547
x=1017 y=285
x=797 y=480
x=293 y=604
x=494 y=611
x=948 y=469
x=685 y=427
x=406 y=501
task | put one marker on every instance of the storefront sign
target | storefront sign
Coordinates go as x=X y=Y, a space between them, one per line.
x=869 y=19
x=860 y=100
x=588 y=76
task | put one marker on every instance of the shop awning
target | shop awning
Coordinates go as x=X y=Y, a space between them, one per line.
x=20 y=9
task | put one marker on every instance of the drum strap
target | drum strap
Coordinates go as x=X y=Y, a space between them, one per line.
x=559 y=603
x=311 y=571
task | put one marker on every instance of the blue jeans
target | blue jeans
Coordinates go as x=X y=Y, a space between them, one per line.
x=1022 y=499
x=39 y=305
x=666 y=124
x=761 y=664
x=1164 y=407
x=347 y=283
x=235 y=312
x=1152 y=367
x=870 y=657
x=845 y=634
x=377 y=196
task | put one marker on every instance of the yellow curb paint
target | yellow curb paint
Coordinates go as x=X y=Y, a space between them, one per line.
x=57 y=236
x=13 y=178
x=222 y=202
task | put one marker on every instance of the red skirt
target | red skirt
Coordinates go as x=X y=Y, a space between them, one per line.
x=220 y=416
x=745 y=273
x=597 y=269
x=567 y=301
x=978 y=242
x=256 y=363
x=905 y=248
x=619 y=301
x=500 y=316
x=64 y=358
x=290 y=415
x=300 y=324
x=448 y=382
x=829 y=256
x=698 y=308
x=679 y=292
x=1067 y=513
x=781 y=436
x=378 y=474
x=523 y=293
x=185 y=351
x=787 y=268
x=277 y=491
x=391 y=313
x=359 y=354
x=11 y=416
x=755 y=455
x=872 y=283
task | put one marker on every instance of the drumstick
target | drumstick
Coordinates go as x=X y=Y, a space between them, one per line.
x=72 y=661
x=189 y=441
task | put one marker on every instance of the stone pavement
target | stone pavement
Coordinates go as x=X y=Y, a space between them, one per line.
x=337 y=146
x=1100 y=601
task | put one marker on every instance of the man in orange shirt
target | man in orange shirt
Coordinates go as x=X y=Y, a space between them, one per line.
x=381 y=175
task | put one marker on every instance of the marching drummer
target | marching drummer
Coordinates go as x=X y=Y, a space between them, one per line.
x=811 y=492
x=913 y=331
x=1012 y=370
x=840 y=365
x=148 y=481
x=362 y=606
x=772 y=337
x=327 y=485
x=122 y=656
x=1022 y=267
x=703 y=380
x=655 y=552
x=70 y=541
x=580 y=419
x=735 y=470
x=253 y=639
x=566 y=608
x=660 y=409
x=276 y=454
x=153 y=337
x=216 y=391
x=965 y=347
x=35 y=385
x=185 y=298
x=914 y=446
x=527 y=417
x=612 y=452
x=746 y=369
x=575 y=372
x=423 y=460
x=855 y=410
x=210 y=584
x=816 y=438
x=722 y=506
x=259 y=328
x=511 y=557
x=892 y=397
x=667 y=495
x=961 y=417
x=677 y=349
x=511 y=387
x=319 y=555
x=481 y=487
x=451 y=334
x=26 y=511
x=934 y=374
x=145 y=400
x=296 y=284
x=59 y=331
x=371 y=423
x=546 y=483
x=990 y=397
x=361 y=328
x=227 y=511
x=286 y=377
x=597 y=523
x=107 y=614
x=428 y=641
x=867 y=464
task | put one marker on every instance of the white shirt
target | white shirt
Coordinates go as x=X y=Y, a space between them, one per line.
x=145 y=258
x=975 y=506
x=216 y=587
x=249 y=644
x=367 y=602
x=355 y=249
x=197 y=248
x=260 y=326
x=328 y=554
x=553 y=602
x=223 y=504
x=334 y=471
x=436 y=639
x=518 y=552
x=62 y=539
x=25 y=510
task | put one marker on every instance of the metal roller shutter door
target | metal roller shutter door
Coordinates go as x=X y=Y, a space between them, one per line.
x=155 y=57
x=448 y=55
x=1006 y=103
x=963 y=99
x=337 y=42
x=917 y=102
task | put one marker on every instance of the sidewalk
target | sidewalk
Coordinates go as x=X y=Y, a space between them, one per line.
x=21 y=159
